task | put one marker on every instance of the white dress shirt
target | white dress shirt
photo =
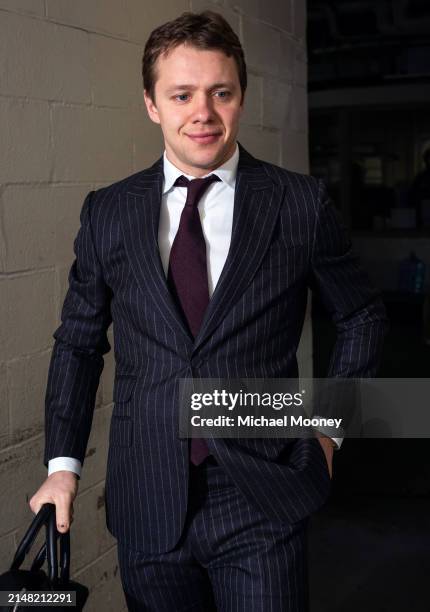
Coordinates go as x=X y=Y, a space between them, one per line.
x=216 y=215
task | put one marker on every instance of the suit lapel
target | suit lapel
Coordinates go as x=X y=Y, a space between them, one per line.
x=140 y=215
x=256 y=206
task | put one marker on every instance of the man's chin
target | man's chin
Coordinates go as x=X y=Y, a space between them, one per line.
x=207 y=159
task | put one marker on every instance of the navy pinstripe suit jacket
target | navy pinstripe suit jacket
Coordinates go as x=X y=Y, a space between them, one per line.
x=286 y=236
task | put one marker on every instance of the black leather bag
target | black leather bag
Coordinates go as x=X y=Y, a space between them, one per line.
x=35 y=579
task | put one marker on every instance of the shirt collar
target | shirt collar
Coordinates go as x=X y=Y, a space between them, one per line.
x=226 y=172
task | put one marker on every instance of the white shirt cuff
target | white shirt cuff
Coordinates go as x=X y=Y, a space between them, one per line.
x=64 y=463
x=325 y=430
x=338 y=442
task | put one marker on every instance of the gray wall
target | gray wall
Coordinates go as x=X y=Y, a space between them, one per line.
x=72 y=119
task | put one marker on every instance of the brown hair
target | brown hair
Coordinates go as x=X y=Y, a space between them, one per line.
x=206 y=30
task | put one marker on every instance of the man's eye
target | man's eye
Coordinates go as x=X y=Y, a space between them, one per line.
x=223 y=94
x=181 y=97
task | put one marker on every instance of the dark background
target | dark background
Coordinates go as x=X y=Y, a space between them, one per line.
x=369 y=126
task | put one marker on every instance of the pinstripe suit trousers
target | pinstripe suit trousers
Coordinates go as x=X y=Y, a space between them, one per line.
x=230 y=557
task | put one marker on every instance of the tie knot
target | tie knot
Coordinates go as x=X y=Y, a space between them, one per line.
x=196 y=187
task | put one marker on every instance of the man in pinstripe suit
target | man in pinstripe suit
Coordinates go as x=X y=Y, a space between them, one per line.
x=226 y=532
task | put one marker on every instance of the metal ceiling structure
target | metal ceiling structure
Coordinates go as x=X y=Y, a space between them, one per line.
x=365 y=42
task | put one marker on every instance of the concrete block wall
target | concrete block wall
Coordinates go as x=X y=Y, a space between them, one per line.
x=72 y=119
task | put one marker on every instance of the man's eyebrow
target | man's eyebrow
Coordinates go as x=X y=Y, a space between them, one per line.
x=228 y=84
x=193 y=87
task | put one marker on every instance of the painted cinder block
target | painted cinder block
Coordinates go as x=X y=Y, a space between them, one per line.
x=264 y=144
x=298 y=116
x=299 y=13
x=25 y=154
x=107 y=16
x=262 y=46
x=4 y=408
x=44 y=220
x=91 y=143
x=197 y=6
x=245 y=7
x=103 y=579
x=278 y=14
x=26 y=313
x=143 y=17
x=7 y=551
x=44 y=60
x=276 y=101
x=27 y=378
x=288 y=53
x=31 y=7
x=21 y=473
x=147 y=140
x=294 y=151
x=115 y=72
x=253 y=108
x=91 y=539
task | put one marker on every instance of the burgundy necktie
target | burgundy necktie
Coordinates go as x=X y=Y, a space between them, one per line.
x=187 y=276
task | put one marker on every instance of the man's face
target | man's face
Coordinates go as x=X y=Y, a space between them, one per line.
x=198 y=105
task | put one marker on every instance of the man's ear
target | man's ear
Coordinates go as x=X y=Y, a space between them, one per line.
x=150 y=107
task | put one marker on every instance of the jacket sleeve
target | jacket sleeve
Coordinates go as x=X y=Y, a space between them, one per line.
x=354 y=305
x=77 y=357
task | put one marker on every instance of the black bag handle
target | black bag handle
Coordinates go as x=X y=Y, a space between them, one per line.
x=51 y=549
x=46 y=516
x=30 y=535
x=39 y=559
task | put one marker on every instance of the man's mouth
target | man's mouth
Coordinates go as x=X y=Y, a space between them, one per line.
x=205 y=138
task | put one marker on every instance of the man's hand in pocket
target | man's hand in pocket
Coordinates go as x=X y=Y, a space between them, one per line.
x=328 y=447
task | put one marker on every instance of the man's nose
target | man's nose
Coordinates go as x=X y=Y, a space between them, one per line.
x=203 y=108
